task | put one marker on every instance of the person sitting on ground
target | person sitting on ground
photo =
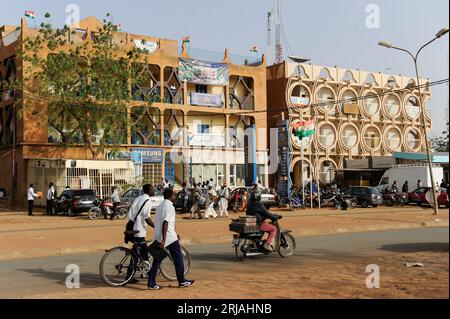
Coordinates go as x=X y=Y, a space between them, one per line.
x=256 y=208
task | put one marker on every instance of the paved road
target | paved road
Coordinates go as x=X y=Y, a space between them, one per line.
x=45 y=275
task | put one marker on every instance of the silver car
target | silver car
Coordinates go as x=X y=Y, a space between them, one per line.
x=130 y=195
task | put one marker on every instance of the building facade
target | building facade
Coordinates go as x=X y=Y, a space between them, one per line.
x=189 y=133
x=360 y=118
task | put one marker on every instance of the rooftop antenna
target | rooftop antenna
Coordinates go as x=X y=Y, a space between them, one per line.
x=278 y=46
x=269 y=37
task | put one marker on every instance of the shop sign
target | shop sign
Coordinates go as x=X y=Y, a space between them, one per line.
x=150 y=155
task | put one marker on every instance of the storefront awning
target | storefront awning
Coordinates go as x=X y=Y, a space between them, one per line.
x=435 y=157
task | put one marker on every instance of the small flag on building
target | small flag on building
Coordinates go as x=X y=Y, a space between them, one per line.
x=254 y=49
x=30 y=14
x=186 y=39
x=303 y=129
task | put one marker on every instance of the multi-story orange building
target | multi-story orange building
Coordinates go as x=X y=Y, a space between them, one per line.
x=190 y=132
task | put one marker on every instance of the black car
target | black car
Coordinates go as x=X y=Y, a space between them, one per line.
x=365 y=195
x=74 y=201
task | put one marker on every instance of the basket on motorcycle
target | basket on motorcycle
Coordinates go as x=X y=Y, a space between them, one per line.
x=243 y=225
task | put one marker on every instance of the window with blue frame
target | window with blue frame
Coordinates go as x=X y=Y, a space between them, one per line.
x=203 y=128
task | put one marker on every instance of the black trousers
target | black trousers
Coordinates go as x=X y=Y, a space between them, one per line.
x=177 y=256
x=114 y=210
x=49 y=206
x=30 y=207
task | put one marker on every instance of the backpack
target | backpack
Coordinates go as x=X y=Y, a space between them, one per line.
x=129 y=228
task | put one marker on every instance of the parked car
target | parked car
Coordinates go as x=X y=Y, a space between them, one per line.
x=130 y=195
x=179 y=200
x=74 y=201
x=419 y=196
x=365 y=195
x=268 y=199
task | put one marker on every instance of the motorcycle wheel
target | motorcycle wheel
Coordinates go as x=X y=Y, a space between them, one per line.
x=389 y=202
x=93 y=213
x=287 y=245
x=241 y=247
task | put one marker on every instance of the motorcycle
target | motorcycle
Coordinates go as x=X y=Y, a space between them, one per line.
x=248 y=245
x=104 y=208
x=392 y=199
x=345 y=202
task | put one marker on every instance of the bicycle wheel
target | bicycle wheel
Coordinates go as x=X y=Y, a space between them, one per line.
x=168 y=269
x=122 y=213
x=118 y=266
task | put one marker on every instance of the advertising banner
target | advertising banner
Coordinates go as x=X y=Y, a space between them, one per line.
x=201 y=72
x=204 y=99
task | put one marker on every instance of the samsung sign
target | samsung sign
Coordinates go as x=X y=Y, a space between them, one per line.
x=144 y=45
x=150 y=155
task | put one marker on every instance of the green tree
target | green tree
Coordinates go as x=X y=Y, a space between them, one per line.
x=440 y=144
x=83 y=85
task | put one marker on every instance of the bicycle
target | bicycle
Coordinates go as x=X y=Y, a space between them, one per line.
x=119 y=265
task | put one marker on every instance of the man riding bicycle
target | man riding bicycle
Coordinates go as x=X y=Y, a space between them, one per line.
x=256 y=208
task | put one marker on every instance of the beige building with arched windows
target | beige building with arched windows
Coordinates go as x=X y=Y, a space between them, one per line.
x=359 y=116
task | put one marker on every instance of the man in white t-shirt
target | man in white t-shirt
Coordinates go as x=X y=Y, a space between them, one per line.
x=140 y=214
x=166 y=235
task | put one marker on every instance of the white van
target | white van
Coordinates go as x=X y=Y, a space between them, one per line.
x=410 y=173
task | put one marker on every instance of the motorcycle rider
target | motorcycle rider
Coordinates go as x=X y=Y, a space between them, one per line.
x=115 y=197
x=256 y=208
x=405 y=187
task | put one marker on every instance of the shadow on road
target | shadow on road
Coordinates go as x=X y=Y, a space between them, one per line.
x=86 y=280
x=416 y=247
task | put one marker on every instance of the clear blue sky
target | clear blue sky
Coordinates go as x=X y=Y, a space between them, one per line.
x=329 y=32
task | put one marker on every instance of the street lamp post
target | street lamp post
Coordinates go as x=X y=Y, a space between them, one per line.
x=388 y=45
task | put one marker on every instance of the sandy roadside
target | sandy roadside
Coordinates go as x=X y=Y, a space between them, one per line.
x=325 y=280
x=27 y=237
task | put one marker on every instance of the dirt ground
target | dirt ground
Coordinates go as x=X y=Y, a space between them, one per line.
x=325 y=280
x=23 y=236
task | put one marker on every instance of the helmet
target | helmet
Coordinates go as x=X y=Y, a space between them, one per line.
x=255 y=197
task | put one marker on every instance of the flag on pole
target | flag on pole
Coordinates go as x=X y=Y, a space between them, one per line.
x=304 y=129
x=186 y=39
x=30 y=14
x=254 y=49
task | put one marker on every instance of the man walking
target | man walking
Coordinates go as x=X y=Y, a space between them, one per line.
x=211 y=197
x=140 y=214
x=50 y=199
x=166 y=236
x=31 y=195
x=115 y=198
x=224 y=194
